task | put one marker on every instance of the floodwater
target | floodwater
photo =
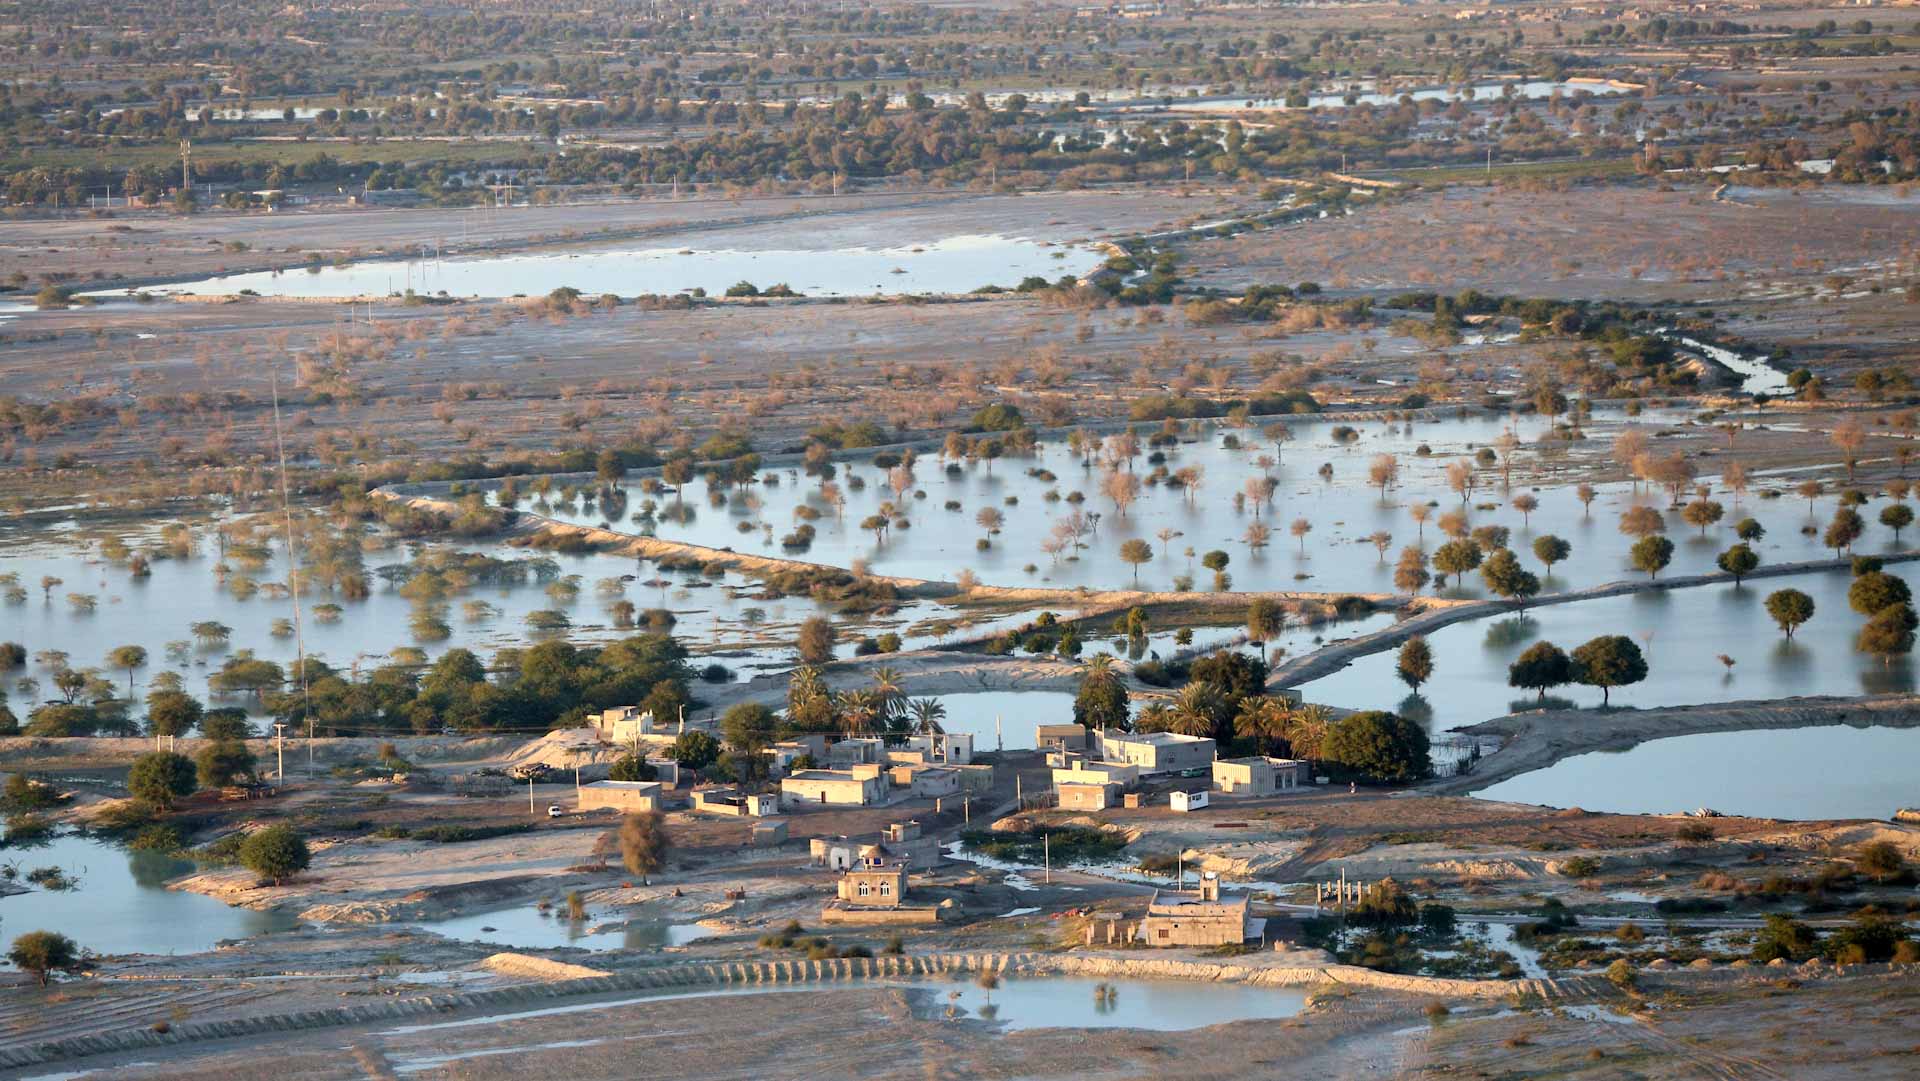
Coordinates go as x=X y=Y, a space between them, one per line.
x=1682 y=634
x=1533 y=89
x=1831 y=771
x=1032 y=494
x=1071 y=1002
x=159 y=609
x=957 y=264
x=122 y=904
x=527 y=927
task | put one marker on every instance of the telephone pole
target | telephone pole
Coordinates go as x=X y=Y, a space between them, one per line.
x=280 y=752
x=186 y=164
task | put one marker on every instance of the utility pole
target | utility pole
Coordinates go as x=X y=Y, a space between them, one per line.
x=1489 y=162
x=280 y=752
x=1046 y=857
x=530 y=809
x=186 y=164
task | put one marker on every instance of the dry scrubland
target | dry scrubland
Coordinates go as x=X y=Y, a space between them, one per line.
x=1627 y=241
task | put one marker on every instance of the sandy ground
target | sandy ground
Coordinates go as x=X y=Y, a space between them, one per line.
x=1591 y=241
x=1759 y=1028
x=814 y=1032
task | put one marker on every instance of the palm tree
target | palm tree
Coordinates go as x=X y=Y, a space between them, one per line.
x=1196 y=708
x=1262 y=720
x=1307 y=730
x=857 y=711
x=1155 y=717
x=889 y=691
x=927 y=714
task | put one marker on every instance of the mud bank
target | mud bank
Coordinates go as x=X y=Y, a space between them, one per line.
x=1536 y=740
x=1332 y=978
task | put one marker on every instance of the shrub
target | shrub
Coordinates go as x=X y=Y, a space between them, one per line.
x=275 y=853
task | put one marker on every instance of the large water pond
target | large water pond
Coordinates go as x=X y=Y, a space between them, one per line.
x=120 y=903
x=958 y=264
x=1683 y=634
x=1530 y=89
x=1073 y=1002
x=528 y=927
x=944 y=501
x=1797 y=773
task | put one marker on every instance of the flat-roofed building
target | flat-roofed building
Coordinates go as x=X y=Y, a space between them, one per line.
x=1089 y=797
x=1199 y=917
x=1157 y=752
x=1258 y=776
x=627 y=796
x=833 y=786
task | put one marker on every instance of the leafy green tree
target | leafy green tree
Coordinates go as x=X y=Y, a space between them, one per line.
x=1101 y=701
x=1789 y=609
x=1541 y=667
x=644 y=843
x=1550 y=549
x=226 y=723
x=1236 y=674
x=1888 y=634
x=1881 y=860
x=1379 y=746
x=1785 y=939
x=1415 y=664
x=1135 y=551
x=1456 y=558
x=223 y=762
x=998 y=417
x=748 y=726
x=1877 y=590
x=1702 y=513
x=42 y=953
x=695 y=750
x=1845 y=528
x=1507 y=578
x=1265 y=620
x=1896 y=516
x=172 y=713
x=1738 y=561
x=816 y=640
x=1651 y=554
x=161 y=778
x=632 y=767
x=275 y=853
x=129 y=658
x=1216 y=561
x=1749 y=530
x=1606 y=662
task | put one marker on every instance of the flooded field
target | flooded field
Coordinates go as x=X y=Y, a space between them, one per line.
x=529 y=927
x=1683 y=635
x=118 y=901
x=955 y=264
x=1796 y=773
x=1320 y=478
x=1076 y=1002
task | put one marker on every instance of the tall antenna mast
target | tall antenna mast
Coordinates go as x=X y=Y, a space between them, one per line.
x=186 y=164
x=293 y=567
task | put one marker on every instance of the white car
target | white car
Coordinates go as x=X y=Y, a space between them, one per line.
x=555 y=812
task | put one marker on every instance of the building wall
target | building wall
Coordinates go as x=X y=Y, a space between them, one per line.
x=878 y=888
x=1170 y=931
x=619 y=799
x=1087 y=797
x=846 y=791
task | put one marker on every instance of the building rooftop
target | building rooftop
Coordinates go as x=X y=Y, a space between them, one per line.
x=1157 y=739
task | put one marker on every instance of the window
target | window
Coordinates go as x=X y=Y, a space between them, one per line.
x=863 y=889
x=886 y=889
